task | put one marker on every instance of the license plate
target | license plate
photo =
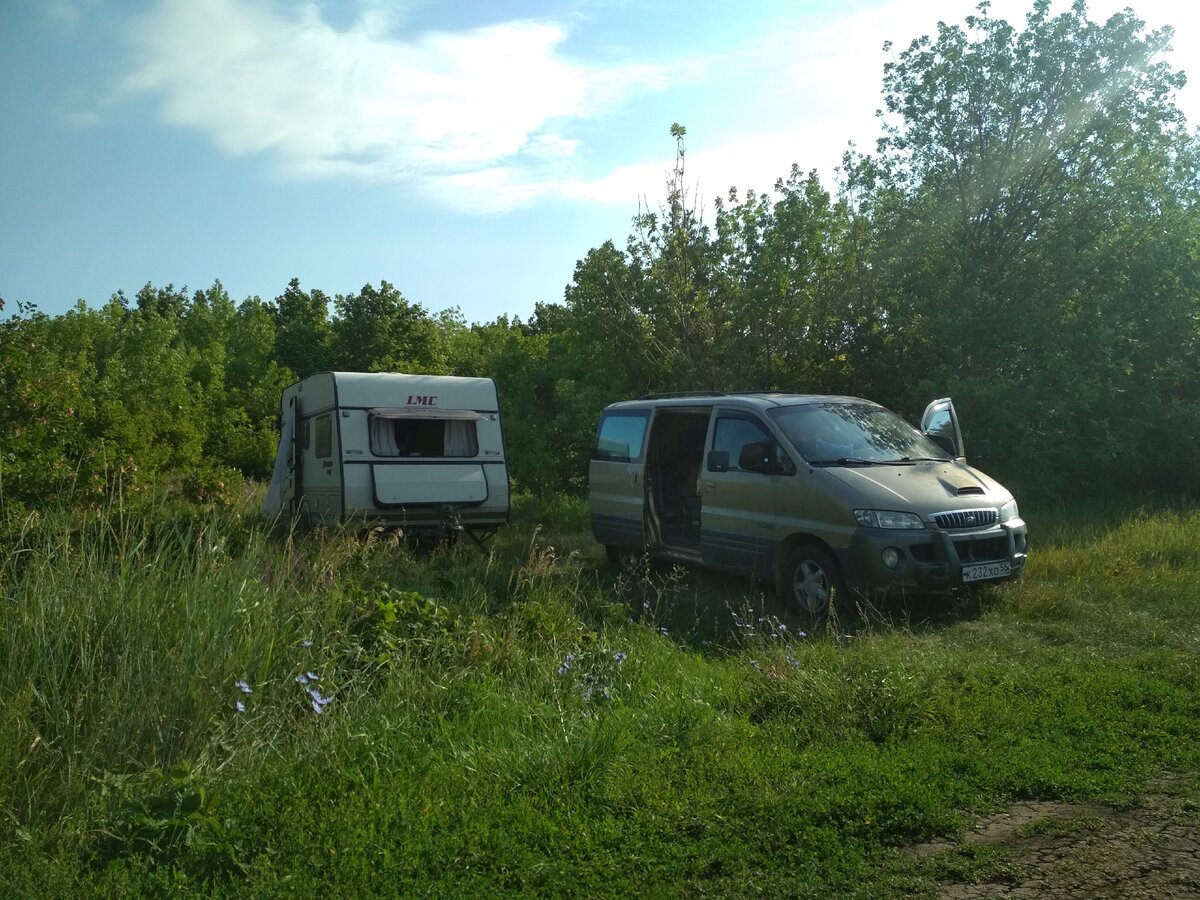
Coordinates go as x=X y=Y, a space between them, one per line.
x=986 y=571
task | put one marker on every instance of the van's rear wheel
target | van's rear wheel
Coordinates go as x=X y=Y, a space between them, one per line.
x=811 y=581
x=623 y=559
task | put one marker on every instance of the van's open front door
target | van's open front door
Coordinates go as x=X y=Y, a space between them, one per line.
x=940 y=424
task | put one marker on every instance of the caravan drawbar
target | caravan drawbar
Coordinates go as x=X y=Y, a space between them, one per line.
x=424 y=453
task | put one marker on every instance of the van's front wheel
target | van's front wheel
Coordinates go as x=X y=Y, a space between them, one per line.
x=811 y=581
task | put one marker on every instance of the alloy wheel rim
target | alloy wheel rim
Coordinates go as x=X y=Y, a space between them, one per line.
x=811 y=586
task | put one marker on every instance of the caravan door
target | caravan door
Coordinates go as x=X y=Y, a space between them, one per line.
x=320 y=467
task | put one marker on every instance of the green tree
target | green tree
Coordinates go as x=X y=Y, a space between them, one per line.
x=1034 y=206
x=672 y=261
x=303 y=333
x=785 y=277
x=377 y=330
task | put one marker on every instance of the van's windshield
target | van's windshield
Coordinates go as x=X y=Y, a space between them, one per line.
x=841 y=433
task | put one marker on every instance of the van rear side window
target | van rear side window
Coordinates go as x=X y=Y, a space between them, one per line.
x=620 y=435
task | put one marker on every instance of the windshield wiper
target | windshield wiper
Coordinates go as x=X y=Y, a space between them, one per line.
x=858 y=461
x=845 y=461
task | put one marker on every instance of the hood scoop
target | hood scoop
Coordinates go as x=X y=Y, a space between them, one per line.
x=962 y=487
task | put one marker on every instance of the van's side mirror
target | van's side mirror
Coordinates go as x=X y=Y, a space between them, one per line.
x=756 y=456
x=980 y=450
x=945 y=442
x=718 y=461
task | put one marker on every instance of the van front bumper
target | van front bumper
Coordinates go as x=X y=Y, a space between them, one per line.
x=935 y=559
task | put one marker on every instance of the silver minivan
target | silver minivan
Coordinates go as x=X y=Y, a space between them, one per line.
x=832 y=498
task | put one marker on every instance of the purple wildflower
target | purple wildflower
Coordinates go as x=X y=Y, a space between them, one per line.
x=318 y=701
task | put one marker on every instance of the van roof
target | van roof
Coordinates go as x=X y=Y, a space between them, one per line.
x=751 y=399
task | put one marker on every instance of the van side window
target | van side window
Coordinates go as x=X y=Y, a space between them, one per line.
x=620 y=435
x=323 y=437
x=734 y=434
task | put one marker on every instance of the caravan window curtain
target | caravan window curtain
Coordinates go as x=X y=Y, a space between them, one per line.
x=461 y=439
x=424 y=434
x=383 y=437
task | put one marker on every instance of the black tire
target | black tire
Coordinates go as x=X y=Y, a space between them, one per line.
x=811 y=581
x=623 y=559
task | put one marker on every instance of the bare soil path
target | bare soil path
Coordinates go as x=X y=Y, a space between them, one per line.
x=1150 y=849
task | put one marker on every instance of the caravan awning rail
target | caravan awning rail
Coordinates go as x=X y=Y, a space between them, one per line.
x=401 y=412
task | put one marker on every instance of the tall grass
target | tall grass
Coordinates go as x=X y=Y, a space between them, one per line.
x=517 y=719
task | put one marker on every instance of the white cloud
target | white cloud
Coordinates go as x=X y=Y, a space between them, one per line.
x=816 y=82
x=281 y=80
x=481 y=120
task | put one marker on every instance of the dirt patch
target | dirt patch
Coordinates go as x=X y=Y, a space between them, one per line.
x=1056 y=850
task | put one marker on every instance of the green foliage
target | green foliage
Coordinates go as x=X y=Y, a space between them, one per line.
x=163 y=818
x=377 y=330
x=520 y=733
x=391 y=625
x=1053 y=183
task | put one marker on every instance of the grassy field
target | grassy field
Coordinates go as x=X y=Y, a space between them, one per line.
x=193 y=705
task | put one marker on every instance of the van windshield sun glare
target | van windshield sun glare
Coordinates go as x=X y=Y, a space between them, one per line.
x=853 y=434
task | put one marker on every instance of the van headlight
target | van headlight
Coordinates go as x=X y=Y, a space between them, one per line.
x=886 y=518
x=1008 y=511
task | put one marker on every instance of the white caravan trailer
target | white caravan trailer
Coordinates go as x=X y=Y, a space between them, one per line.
x=421 y=452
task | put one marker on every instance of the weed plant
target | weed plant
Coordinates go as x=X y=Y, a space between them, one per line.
x=197 y=702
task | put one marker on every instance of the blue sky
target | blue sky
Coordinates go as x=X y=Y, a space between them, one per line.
x=469 y=153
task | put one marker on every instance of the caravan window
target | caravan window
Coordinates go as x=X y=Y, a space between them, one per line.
x=324 y=437
x=424 y=436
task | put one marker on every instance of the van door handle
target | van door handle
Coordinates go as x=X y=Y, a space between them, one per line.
x=710 y=485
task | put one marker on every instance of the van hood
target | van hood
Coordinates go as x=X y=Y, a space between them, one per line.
x=923 y=488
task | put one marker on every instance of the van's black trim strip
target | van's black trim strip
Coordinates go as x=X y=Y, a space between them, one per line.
x=736 y=552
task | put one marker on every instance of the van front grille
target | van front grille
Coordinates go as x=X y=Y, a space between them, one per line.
x=966 y=518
